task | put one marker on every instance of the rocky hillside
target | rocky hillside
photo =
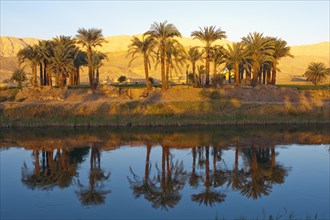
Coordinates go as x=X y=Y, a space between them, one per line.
x=117 y=63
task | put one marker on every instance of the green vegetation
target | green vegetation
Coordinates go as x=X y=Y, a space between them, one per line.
x=136 y=113
x=122 y=79
x=307 y=87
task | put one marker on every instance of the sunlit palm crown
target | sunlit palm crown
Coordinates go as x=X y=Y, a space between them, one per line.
x=208 y=35
x=90 y=37
x=162 y=31
x=258 y=45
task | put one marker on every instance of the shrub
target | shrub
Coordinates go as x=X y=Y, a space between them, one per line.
x=122 y=79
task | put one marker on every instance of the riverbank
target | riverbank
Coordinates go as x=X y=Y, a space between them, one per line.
x=181 y=106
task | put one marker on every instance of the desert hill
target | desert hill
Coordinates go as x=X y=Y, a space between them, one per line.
x=117 y=63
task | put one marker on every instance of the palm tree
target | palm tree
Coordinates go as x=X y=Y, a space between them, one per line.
x=281 y=50
x=260 y=49
x=61 y=63
x=19 y=76
x=80 y=59
x=217 y=57
x=208 y=35
x=144 y=47
x=193 y=56
x=174 y=59
x=161 y=33
x=30 y=54
x=45 y=49
x=317 y=72
x=97 y=58
x=90 y=39
x=235 y=56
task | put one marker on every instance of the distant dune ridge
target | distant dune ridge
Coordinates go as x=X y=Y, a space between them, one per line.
x=117 y=63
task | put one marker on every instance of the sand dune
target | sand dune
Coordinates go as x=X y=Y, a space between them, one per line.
x=117 y=63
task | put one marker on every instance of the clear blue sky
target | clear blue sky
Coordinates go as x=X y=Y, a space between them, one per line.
x=297 y=22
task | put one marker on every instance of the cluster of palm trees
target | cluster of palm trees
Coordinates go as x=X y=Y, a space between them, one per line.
x=62 y=58
x=255 y=55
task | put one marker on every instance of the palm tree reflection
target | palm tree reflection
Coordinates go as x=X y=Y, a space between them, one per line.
x=210 y=196
x=58 y=170
x=263 y=172
x=94 y=194
x=163 y=190
x=144 y=186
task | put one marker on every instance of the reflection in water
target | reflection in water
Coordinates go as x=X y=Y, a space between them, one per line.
x=51 y=171
x=210 y=180
x=162 y=190
x=252 y=171
x=95 y=193
x=58 y=167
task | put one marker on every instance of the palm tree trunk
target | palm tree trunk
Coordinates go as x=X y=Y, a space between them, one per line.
x=207 y=65
x=162 y=63
x=229 y=76
x=146 y=169
x=264 y=75
x=35 y=80
x=41 y=74
x=255 y=73
x=37 y=164
x=77 y=76
x=237 y=78
x=146 y=72
x=274 y=73
x=45 y=82
x=269 y=79
x=248 y=76
x=167 y=70
x=194 y=73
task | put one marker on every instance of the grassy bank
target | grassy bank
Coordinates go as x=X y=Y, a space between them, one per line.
x=144 y=113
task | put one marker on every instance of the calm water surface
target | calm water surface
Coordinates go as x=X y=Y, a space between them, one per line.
x=199 y=173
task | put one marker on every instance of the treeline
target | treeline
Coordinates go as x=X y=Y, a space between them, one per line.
x=253 y=61
x=62 y=58
x=256 y=56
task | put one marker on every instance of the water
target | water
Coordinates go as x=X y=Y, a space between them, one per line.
x=196 y=173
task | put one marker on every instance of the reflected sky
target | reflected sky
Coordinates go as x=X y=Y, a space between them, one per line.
x=153 y=181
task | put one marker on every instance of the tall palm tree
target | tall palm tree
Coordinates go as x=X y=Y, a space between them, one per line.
x=193 y=56
x=45 y=48
x=281 y=50
x=162 y=32
x=235 y=55
x=260 y=49
x=61 y=63
x=145 y=47
x=30 y=54
x=174 y=58
x=317 y=72
x=90 y=39
x=208 y=35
